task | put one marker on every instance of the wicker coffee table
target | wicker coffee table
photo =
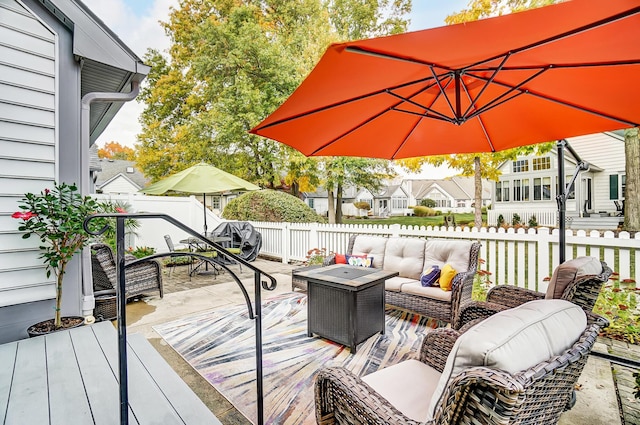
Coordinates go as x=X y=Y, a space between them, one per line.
x=345 y=303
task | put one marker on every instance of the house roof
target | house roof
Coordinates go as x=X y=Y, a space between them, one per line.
x=108 y=65
x=111 y=169
x=457 y=187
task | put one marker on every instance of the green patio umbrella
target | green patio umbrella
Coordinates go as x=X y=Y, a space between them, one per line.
x=201 y=178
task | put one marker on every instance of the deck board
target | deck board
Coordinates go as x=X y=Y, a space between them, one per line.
x=62 y=369
x=7 y=358
x=71 y=378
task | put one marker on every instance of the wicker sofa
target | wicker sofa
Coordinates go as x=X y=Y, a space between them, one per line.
x=518 y=366
x=409 y=257
x=140 y=278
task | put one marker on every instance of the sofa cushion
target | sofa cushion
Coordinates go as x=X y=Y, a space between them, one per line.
x=454 y=252
x=396 y=283
x=569 y=271
x=407 y=385
x=416 y=288
x=372 y=246
x=405 y=256
x=514 y=340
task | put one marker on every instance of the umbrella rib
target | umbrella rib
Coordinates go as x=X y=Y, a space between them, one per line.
x=486 y=85
x=343 y=102
x=562 y=66
x=363 y=51
x=482 y=126
x=453 y=111
x=563 y=35
x=427 y=108
x=561 y=102
x=496 y=101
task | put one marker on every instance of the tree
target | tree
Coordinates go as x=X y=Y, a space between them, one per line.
x=114 y=150
x=632 y=172
x=230 y=65
x=342 y=172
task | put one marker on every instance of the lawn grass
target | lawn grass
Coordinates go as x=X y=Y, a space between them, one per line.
x=461 y=219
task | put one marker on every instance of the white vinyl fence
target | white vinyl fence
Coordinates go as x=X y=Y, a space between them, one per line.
x=523 y=257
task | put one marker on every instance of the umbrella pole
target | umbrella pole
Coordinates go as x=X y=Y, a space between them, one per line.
x=564 y=190
x=204 y=211
x=561 y=199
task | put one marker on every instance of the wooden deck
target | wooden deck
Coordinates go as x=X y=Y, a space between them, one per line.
x=70 y=377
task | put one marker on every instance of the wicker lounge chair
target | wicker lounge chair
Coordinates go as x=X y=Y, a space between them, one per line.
x=140 y=278
x=452 y=384
x=578 y=280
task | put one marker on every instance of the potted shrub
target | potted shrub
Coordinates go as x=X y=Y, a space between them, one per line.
x=56 y=217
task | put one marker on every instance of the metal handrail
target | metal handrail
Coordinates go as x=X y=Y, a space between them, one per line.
x=255 y=312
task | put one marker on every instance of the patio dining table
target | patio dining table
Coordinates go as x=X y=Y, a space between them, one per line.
x=197 y=245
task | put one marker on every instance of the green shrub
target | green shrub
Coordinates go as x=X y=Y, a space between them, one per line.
x=272 y=206
x=421 y=211
x=362 y=205
x=533 y=221
x=500 y=220
x=141 y=251
x=618 y=303
x=428 y=203
x=515 y=220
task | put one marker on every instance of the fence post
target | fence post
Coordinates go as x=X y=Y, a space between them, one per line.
x=395 y=230
x=544 y=239
x=286 y=242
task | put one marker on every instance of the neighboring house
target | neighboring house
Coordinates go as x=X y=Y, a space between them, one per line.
x=453 y=194
x=63 y=77
x=117 y=176
x=529 y=184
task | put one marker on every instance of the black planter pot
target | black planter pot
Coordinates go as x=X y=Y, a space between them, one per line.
x=46 y=326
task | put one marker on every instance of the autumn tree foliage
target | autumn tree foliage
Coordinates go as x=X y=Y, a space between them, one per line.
x=114 y=150
x=230 y=64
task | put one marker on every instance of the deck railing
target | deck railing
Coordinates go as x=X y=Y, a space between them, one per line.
x=255 y=310
x=523 y=257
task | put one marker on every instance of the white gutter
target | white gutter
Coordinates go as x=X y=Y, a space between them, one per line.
x=88 y=301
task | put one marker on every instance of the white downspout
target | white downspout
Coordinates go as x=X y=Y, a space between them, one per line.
x=88 y=301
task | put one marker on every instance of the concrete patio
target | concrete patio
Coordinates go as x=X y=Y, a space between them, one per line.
x=597 y=396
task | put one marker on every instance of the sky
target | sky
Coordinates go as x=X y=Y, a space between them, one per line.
x=136 y=22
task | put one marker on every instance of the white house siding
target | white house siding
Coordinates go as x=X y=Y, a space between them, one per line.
x=607 y=152
x=27 y=145
x=120 y=185
x=604 y=151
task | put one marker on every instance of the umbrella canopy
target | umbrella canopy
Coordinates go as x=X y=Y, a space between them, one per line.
x=201 y=178
x=535 y=76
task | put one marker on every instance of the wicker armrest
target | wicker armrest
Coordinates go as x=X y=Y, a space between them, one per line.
x=436 y=347
x=476 y=310
x=512 y=296
x=342 y=397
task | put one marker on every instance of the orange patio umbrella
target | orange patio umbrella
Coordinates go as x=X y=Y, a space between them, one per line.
x=545 y=74
x=535 y=76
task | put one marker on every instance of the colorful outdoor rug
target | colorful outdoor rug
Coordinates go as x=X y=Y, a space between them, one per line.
x=220 y=345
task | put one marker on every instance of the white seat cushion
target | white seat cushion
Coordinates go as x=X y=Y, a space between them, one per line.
x=514 y=340
x=416 y=288
x=569 y=271
x=407 y=385
x=372 y=246
x=396 y=283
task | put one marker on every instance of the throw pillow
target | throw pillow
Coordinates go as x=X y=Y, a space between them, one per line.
x=341 y=259
x=430 y=276
x=446 y=277
x=359 y=260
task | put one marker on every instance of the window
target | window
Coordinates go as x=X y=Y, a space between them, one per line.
x=311 y=202
x=517 y=190
x=520 y=166
x=505 y=191
x=546 y=188
x=398 y=203
x=130 y=170
x=617 y=186
x=537 y=189
x=623 y=178
x=498 y=191
x=525 y=189
x=541 y=163
x=440 y=199
x=215 y=202
x=461 y=203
